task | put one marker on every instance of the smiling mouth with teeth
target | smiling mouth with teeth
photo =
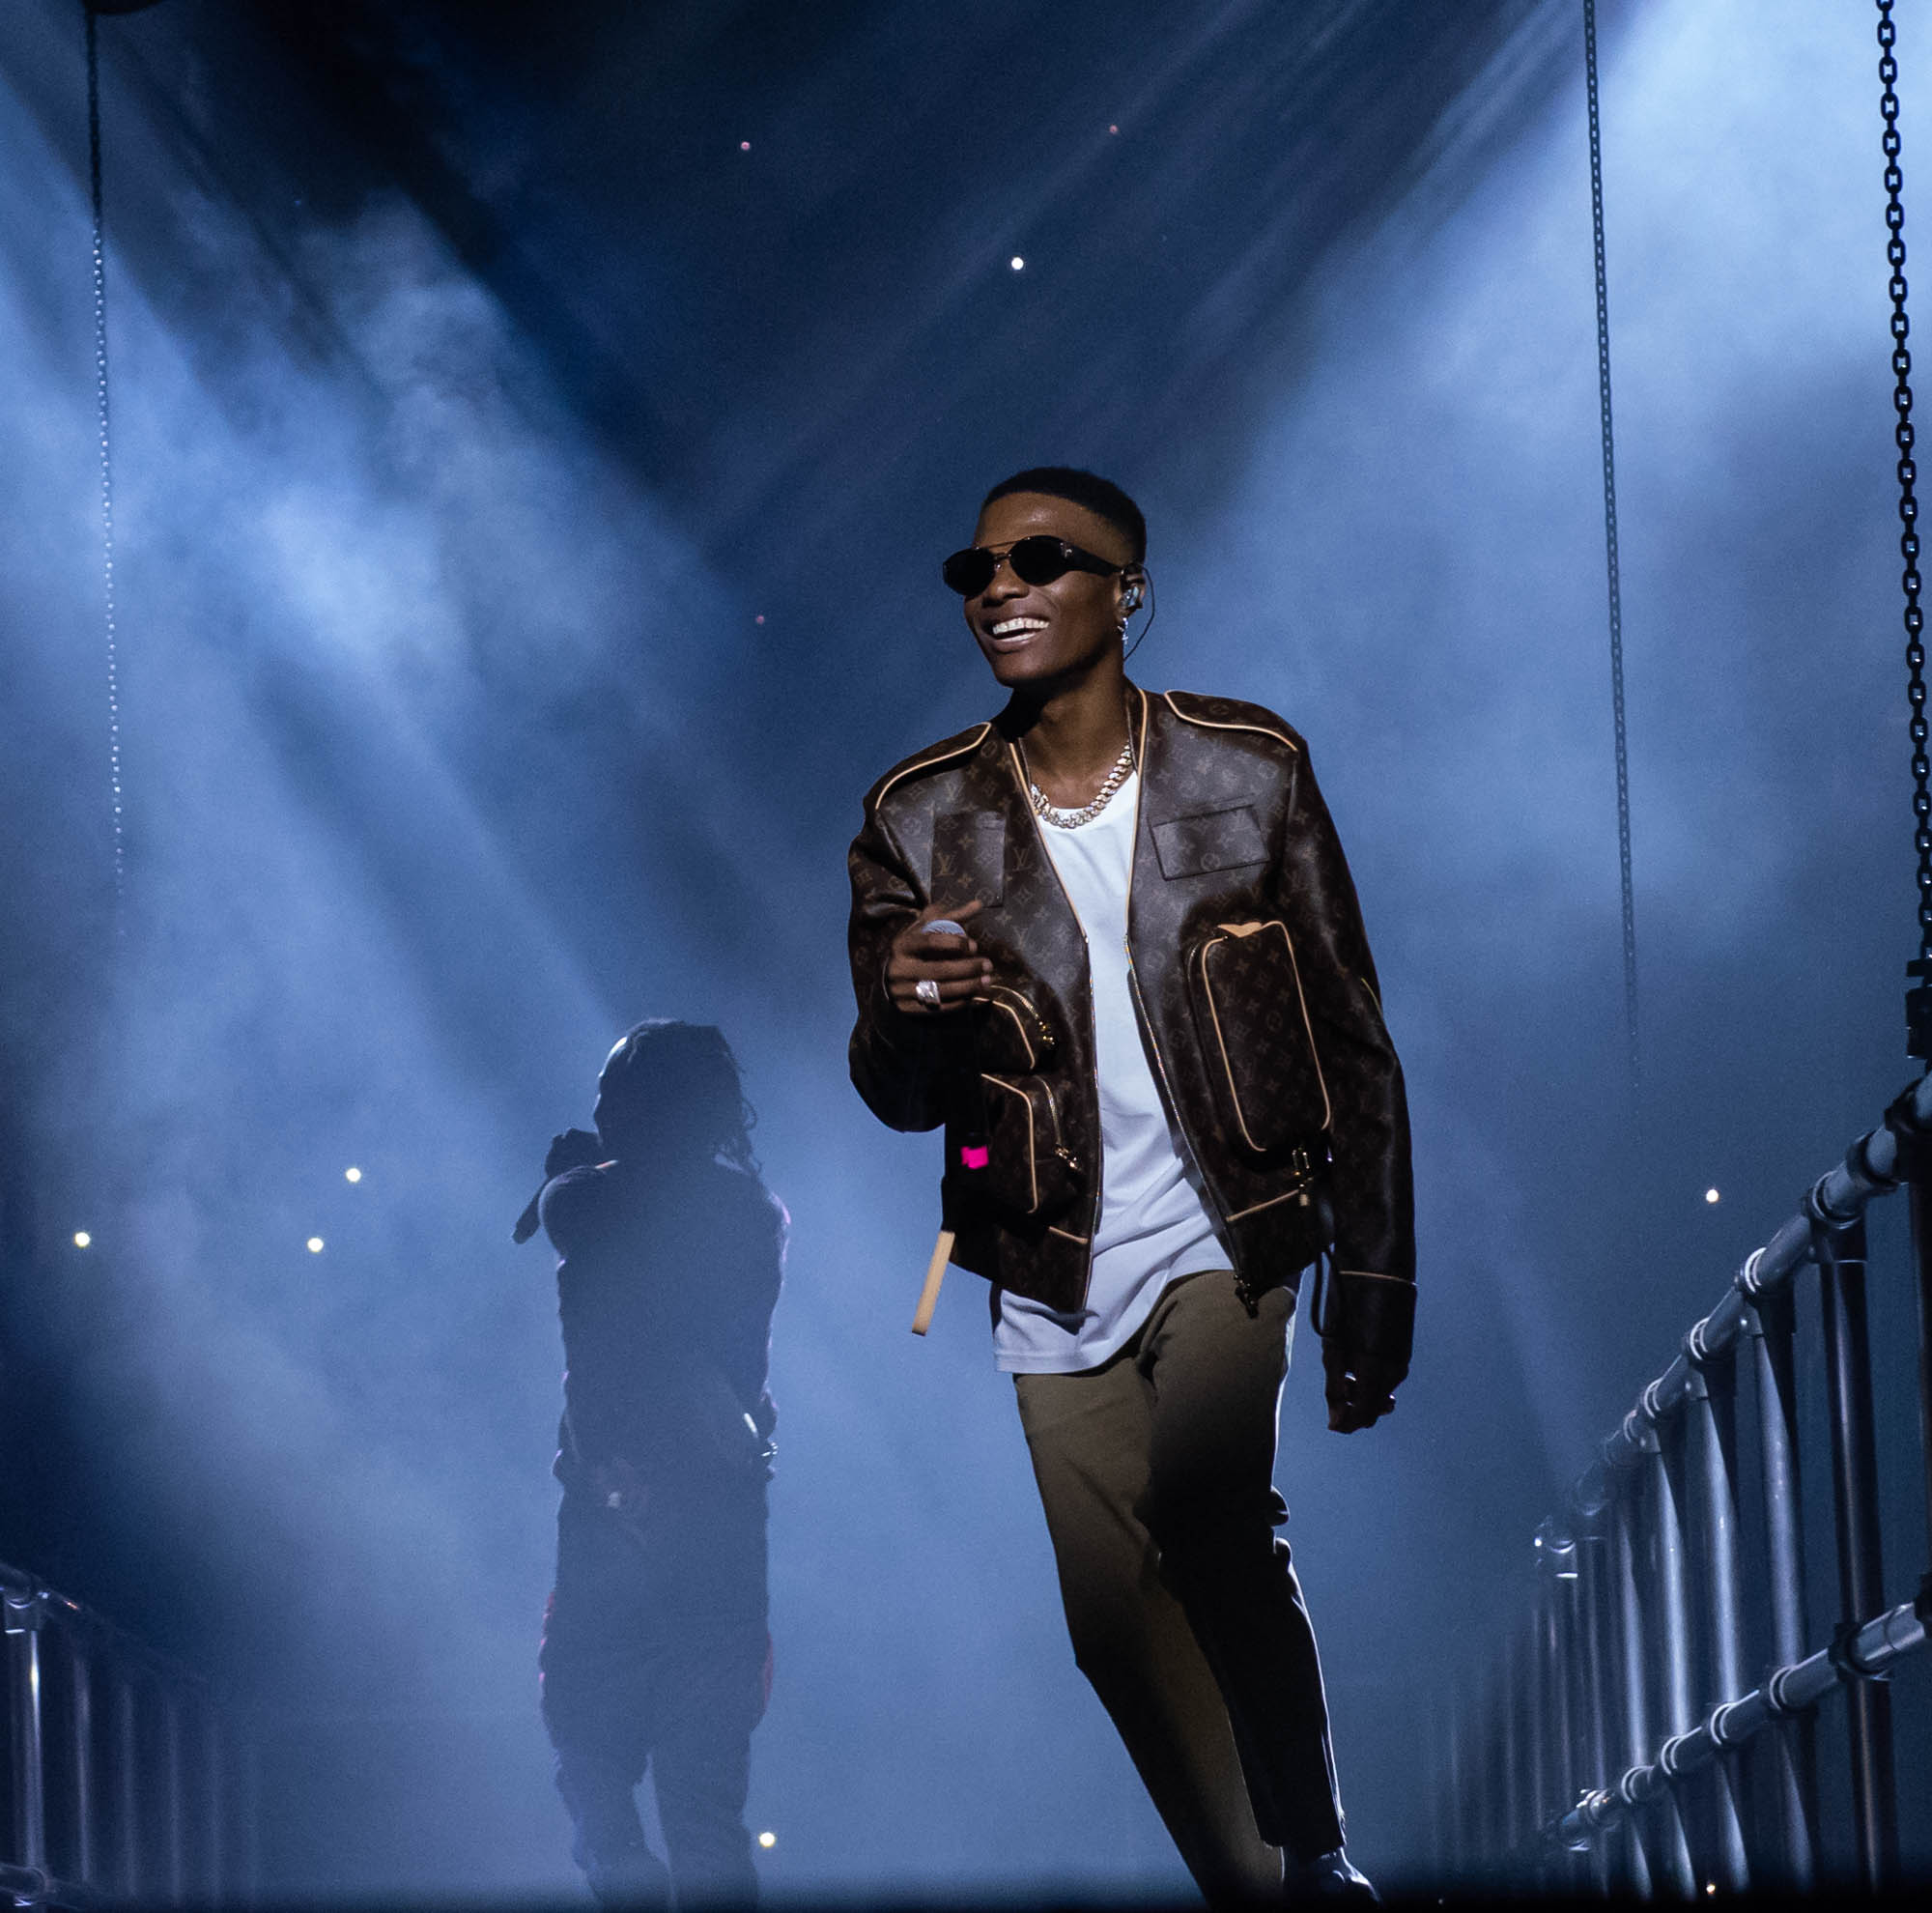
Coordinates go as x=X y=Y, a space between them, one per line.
x=1017 y=627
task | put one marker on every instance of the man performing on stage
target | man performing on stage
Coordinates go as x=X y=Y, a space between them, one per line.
x=655 y=1652
x=1155 y=1036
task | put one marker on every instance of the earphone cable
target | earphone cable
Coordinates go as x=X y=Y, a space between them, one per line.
x=1149 y=625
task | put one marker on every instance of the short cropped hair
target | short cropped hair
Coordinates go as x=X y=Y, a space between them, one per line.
x=1099 y=495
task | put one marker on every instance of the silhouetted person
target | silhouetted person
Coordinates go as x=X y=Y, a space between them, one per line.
x=655 y=1651
x=1158 y=1050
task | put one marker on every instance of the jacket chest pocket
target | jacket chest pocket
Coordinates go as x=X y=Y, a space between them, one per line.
x=1209 y=840
x=1258 y=1045
x=1029 y=1168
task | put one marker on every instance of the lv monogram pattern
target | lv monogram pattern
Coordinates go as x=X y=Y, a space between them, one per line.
x=968 y=858
x=1253 y=1024
x=1232 y=830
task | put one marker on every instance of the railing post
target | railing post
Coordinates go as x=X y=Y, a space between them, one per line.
x=1840 y=1255
x=1673 y=1636
x=248 y=1749
x=1566 y=1645
x=1467 y=1801
x=1771 y=1322
x=1472 y=1806
x=1711 y=1466
x=1505 y=1768
x=1634 y=1711
x=24 y=1615
x=1594 y=1703
x=1446 y=1782
x=1540 y=1802
x=1490 y=1823
x=80 y=1685
x=127 y=1787
x=214 y=1805
x=1510 y=1785
x=1552 y=1643
x=174 y=1816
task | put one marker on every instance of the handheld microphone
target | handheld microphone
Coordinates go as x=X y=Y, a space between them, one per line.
x=967 y=1153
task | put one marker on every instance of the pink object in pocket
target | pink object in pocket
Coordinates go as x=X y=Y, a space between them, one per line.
x=972 y=1158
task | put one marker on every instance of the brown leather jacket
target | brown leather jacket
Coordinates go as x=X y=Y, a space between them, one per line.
x=1255 y=992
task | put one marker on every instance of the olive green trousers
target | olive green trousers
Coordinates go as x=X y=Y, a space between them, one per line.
x=1156 y=1472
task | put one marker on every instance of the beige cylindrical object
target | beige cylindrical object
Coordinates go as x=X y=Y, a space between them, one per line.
x=935 y=1274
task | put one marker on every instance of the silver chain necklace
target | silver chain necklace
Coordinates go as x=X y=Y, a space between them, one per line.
x=1050 y=812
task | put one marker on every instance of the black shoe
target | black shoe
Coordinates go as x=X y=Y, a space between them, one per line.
x=628 y=1875
x=1328 y=1876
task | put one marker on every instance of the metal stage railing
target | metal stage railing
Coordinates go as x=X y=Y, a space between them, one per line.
x=1620 y=1743
x=119 y=1780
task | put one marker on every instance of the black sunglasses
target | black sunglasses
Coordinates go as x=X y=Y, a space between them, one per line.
x=1035 y=560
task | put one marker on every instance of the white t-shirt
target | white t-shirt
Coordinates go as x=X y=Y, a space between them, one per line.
x=1153 y=1227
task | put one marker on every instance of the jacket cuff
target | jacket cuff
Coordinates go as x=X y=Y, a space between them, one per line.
x=914 y=1035
x=1372 y=1315
x=904 y=1039
x=893 y=1029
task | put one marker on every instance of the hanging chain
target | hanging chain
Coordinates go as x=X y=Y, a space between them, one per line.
x=106 y=466
x=1610 y=554
x=1917 y=1000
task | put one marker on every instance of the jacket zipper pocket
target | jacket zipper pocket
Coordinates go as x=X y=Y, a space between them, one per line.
x=1013 y=1014
x=1030 y=1169
x=1260 y=1059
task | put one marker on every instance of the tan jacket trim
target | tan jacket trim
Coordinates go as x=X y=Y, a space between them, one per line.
x=1213 y=724
x=965 y=750
x=1019 y=1023
x=1053 y=1229
x=1375 y=1276
x=1032 y=1139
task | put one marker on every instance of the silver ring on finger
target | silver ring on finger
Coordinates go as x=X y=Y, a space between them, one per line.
x=927 y=992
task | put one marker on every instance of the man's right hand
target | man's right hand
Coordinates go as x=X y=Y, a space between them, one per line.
x=574 y=1149
x=1360 y=1388
x=952 y=963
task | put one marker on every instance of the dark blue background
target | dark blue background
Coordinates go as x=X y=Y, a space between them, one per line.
x=529 y=499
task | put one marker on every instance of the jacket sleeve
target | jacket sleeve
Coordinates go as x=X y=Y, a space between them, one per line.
x=899 y=1063
x=1371 y=1305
